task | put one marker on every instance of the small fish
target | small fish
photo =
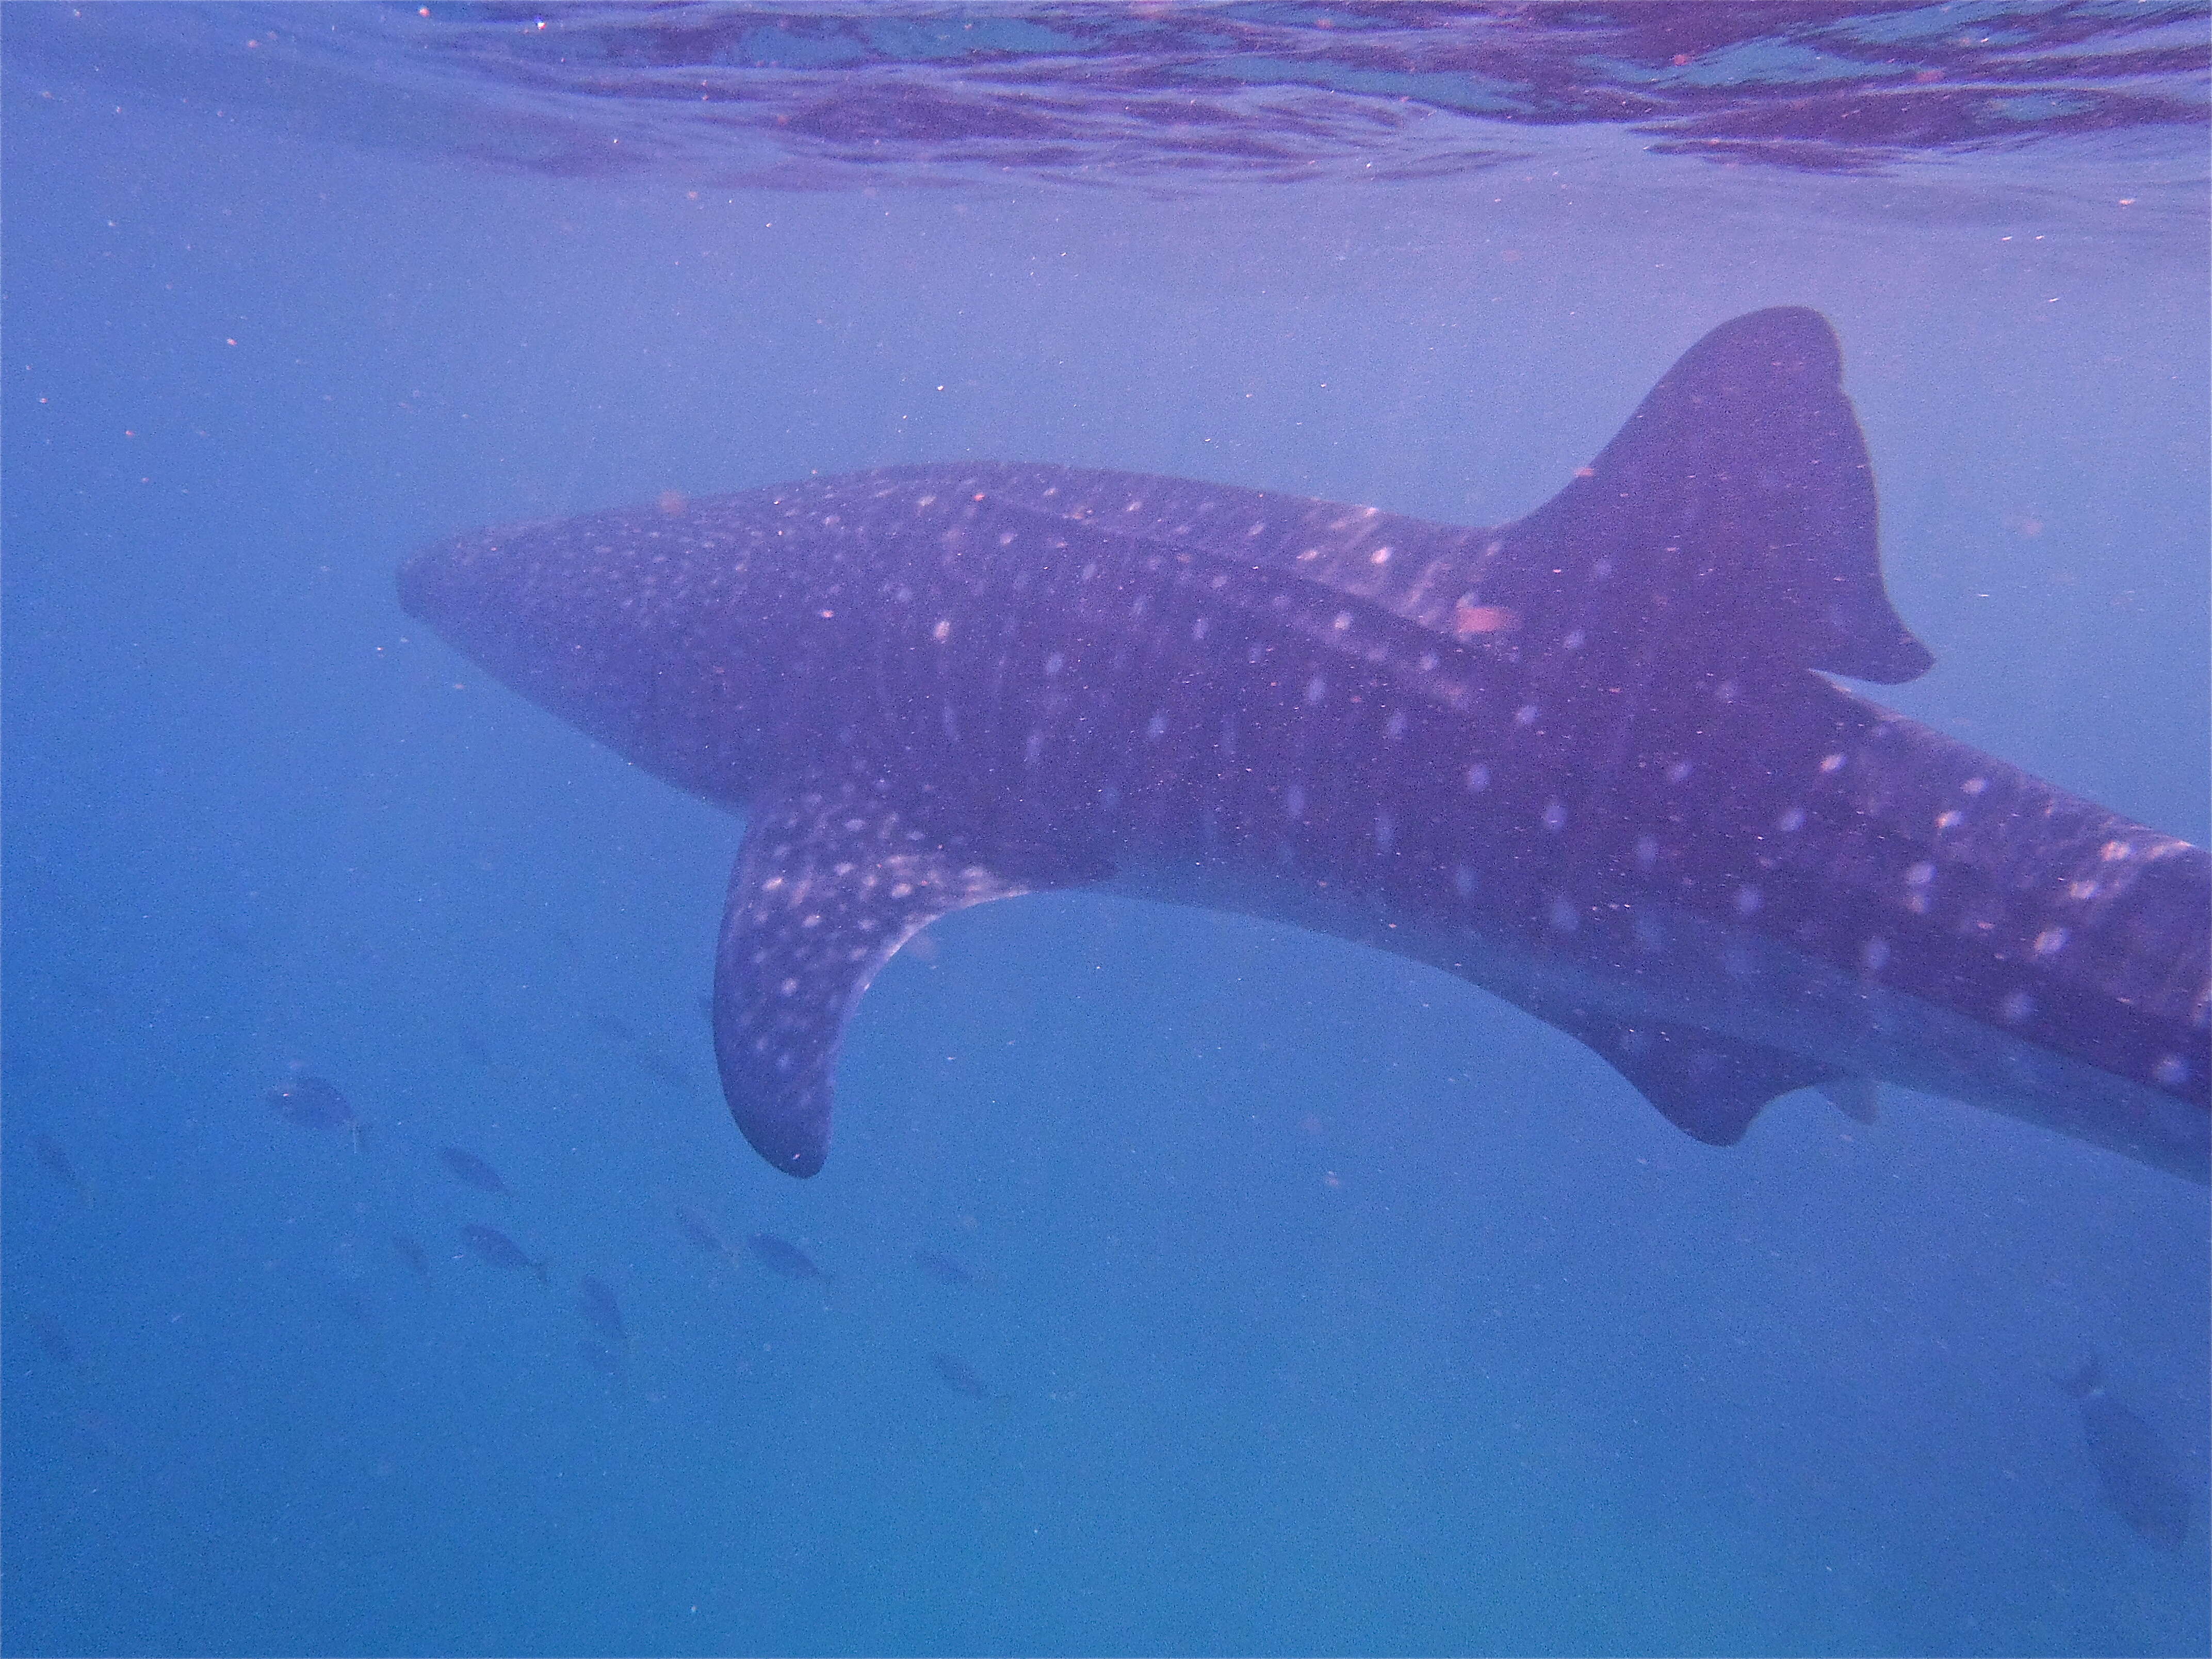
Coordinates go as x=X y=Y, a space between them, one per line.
x=942 y=1268
x=57 y=1161
x=961 y=1380
x=413 y=1255
x=2138 y=1473
x=607 y=1362
x=614 y=1028
x=472 y=1169
x=94 y=992
x=700 y=1232
x=349 y=1302
x=314 y=1103
x=657 y=1064
x=497 y=1247
x=598 y=1306
x=780 y=1255
x=54 y=1339
x=472 y=1045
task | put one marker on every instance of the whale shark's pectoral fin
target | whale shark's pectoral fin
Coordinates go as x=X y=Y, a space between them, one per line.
x=1708 y=1085
x=830 y=883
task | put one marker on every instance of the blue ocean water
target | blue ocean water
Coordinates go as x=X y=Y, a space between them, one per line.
x=1327 y=1304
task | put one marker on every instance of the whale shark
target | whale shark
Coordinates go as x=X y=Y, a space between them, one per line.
x=1596 y=760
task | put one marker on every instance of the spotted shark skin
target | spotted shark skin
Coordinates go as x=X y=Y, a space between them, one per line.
x=1590 y=761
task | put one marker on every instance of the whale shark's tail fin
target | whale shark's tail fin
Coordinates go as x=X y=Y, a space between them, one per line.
x=1733 y=513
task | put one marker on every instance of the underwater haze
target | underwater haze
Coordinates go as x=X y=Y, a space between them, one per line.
x=383 y=1273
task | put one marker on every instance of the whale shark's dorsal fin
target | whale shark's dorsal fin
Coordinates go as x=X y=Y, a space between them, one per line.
x=1732 y=515
x=1731 y=518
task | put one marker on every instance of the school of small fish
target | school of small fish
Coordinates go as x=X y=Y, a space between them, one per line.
x=314 y=1103
x=2137 y=1474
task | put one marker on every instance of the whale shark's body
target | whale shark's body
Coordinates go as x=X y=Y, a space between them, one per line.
x=1589 y=761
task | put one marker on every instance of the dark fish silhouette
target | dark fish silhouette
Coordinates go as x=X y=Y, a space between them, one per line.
x=315 y=1103
x=607 y=1362
x=348 y=1301
x=413 y=1255
x=614 y=1028
x=497 y=1247
x=91 y=991
x=961 y=1380
x=54 y=1339
x=657 y=1065
x=1592 y=760
x=699 y=1230
x=2138 y=1473
x=650 y=1059
x=943 y=1268
x=57 y=1161
x=781 y=1255
x=471 y=1169
x=598 y=1306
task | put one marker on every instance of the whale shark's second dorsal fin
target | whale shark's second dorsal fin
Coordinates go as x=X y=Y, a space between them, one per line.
x=1733 y=515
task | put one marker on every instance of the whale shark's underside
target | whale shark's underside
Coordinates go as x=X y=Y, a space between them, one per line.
x=1590 y=761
